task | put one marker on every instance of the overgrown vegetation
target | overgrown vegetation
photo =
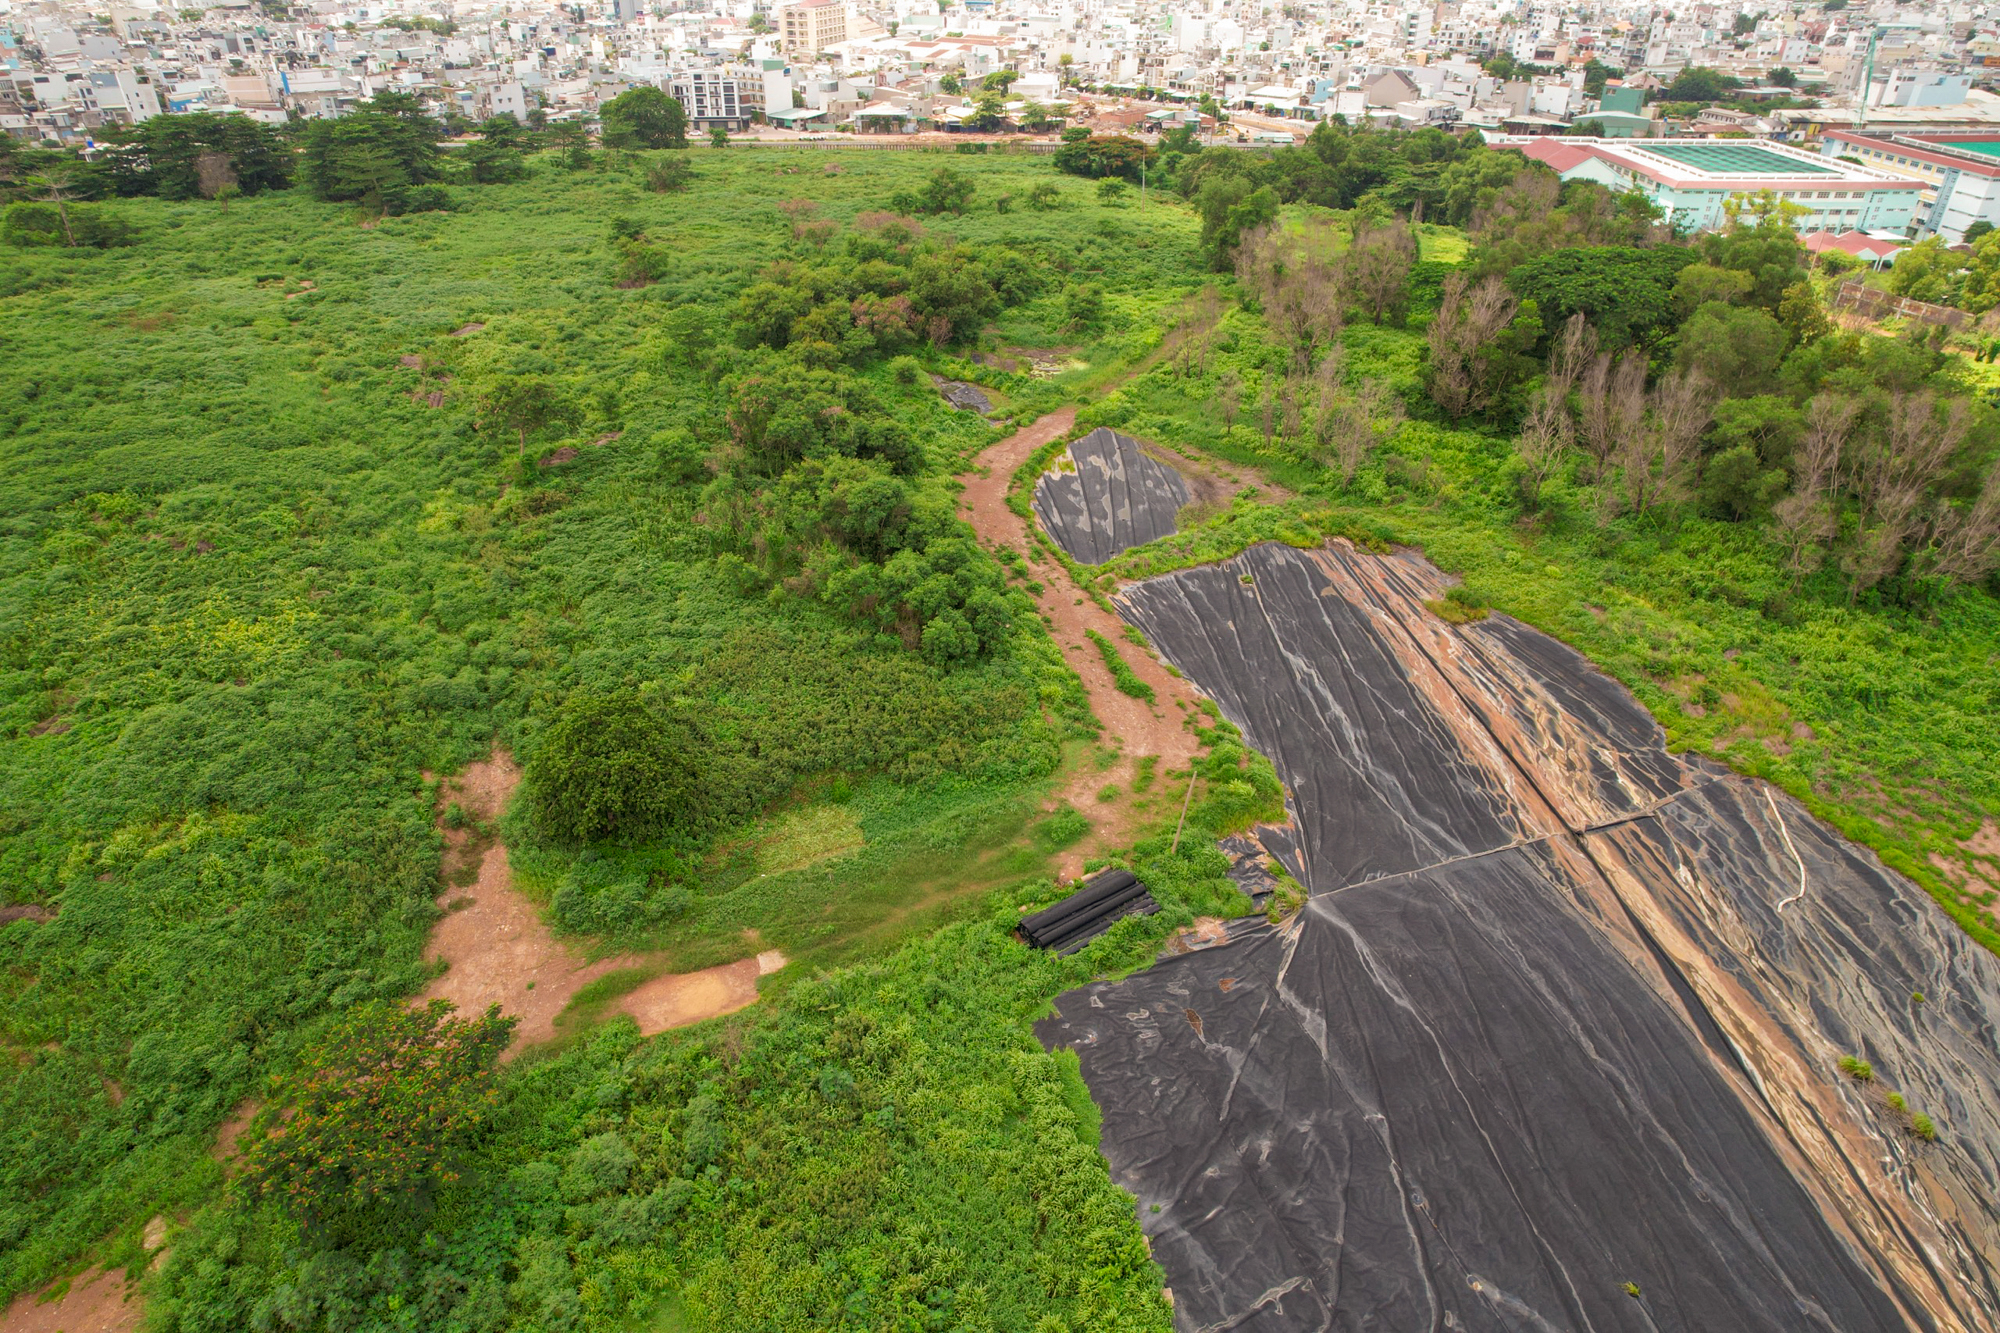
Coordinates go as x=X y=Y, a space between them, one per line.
x=636 y=470
x=1780 y=533
x=302 y=510
x=1122 y=675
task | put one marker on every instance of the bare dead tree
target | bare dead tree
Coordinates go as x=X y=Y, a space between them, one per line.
x=1893 y=473
x=1968 y=547
x=213 y=174
x=1805 y=518
x=1229 y=397
x=1461 y=377
x=1378 y=267
x=1361 y=423
x=1188 y=343
x=55 y=188
x=1548 y=432
x=1612 y=397
x=1573 y=351
x=1267 y=412
x=1288 y=406
x=1529 y=197
x=1654 y=461
x=1294 y=278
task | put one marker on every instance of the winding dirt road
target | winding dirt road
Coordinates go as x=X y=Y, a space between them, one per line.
x=1133 y=726
x=498 y=950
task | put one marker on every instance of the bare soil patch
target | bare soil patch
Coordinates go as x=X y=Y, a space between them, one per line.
x=1212 y=483
x=95 y=1302
x=26 y=912
x=467 y=331
x=232 y=1130
x=678 y=999
x=1134 y=726
x=498 y=950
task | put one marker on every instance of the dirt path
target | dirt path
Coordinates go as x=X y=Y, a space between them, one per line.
x=96 y=1302
x=498 y=950
x=1133 y=726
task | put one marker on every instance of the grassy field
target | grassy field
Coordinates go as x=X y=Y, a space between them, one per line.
x=254 y=586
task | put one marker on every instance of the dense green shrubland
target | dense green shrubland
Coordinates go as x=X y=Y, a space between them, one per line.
x=255 y=585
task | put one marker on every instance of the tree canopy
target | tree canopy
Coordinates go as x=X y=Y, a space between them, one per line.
x=644 y=117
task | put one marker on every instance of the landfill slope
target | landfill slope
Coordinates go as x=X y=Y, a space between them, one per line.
x=1563 y=1014
x=1117 y=498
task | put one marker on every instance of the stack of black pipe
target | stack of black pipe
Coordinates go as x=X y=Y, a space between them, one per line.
x=1089 y=912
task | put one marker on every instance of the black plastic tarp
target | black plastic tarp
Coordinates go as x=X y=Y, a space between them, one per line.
x=1072 y=923
x=1562 y=1015
x=1117 y=498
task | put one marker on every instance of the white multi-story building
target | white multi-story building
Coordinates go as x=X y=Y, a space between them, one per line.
x=712 y=99
x=1958 y=174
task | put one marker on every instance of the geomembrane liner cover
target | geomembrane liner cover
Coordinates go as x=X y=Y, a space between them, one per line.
x=1117 y=498
x=1564 y=1012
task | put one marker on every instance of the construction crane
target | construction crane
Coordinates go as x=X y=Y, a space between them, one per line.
x=1868 y=71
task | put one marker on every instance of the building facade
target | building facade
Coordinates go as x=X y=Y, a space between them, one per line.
x=812 y=25
x=1691 y=180
x=1958 y=173
x=712 y=99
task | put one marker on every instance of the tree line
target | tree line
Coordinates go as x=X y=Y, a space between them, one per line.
x=386 y=156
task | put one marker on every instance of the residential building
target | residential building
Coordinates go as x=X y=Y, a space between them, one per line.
x=811 y=26
x=712 y=100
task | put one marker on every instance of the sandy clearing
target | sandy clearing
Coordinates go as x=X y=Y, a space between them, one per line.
x=498 y=950
x=96 y=1302
x=677 y=999
x=1139 y=728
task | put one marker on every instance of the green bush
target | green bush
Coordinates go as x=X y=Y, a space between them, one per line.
x=609 y=766
x=1062 y=829
x=1122 y=675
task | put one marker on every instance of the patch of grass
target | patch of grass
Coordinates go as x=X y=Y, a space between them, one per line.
x=1063 y=829
x=801 y=838
x=1122 y=675
x=1857 y=1069
x=1458 y=606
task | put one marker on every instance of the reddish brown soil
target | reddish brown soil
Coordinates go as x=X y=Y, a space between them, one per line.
x=232 y=1130
x=96 y=1302
x=677 y=999
x=1974 y=874
x=498 y=950
x=1134 y=726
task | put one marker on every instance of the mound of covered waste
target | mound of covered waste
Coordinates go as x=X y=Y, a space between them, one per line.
x=1557 y=1041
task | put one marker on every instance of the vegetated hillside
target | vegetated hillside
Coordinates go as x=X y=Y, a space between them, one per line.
x=285 y=532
